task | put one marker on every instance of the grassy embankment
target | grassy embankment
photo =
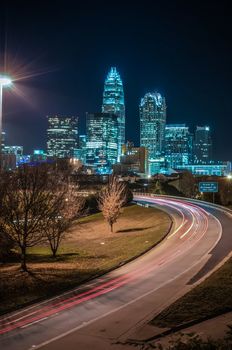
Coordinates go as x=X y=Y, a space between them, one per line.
x=87 y=250
x=212 y=297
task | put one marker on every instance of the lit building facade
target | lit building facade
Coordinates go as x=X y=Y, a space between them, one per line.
x=62 y=136
x=152 y=126
x=80 y=152
x=178 y=145
x=101 y=141
x=133 y=159
x=217 y=169
x=38 y=156
x=202 y=145
x=113 y=102
x=16 y=150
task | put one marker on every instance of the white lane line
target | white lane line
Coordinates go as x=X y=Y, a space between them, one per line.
x=178 y=229
x=30 y=324
x=183 y=221
x=158 y=201
x=187 y=206
x=191 y=226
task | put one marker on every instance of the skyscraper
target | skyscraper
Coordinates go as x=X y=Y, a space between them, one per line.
x=102 y=141
x=178 y=145
x=62 y=136
x=113 y=102
x=152 y=125
x=80 y=152
x=202 y=145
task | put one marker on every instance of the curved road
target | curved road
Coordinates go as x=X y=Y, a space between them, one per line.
x=118 y=305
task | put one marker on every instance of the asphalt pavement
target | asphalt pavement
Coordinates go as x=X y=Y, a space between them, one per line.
x=105 y=312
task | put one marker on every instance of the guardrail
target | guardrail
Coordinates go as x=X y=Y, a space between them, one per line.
x=221 y=207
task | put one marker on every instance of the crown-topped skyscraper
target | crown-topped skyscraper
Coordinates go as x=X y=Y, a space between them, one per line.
x=113 y=102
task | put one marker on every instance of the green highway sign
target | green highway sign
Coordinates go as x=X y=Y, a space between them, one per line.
x=208 y=186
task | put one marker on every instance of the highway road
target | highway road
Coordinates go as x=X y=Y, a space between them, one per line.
x=118 y=305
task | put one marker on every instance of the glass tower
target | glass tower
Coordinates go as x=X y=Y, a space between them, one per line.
x=152 y=125
x=102 y=141
x=62 y=136
x=113 y=102
x=80 y=152
x=202 y=145
x=178 y=145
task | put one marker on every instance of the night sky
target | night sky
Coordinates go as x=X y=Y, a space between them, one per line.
x=63 y=51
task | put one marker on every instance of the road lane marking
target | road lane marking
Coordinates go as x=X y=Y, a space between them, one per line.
x=30 y=324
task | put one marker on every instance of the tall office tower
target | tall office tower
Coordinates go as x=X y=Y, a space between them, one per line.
x=152 y=126
x=80 y=152
x=101 y=141
x=113 y=102
x=62 y=136
x=178 y=145
x=202 y=145
x=82 y=141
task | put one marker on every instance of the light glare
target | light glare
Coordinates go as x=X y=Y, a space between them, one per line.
x=5 y=81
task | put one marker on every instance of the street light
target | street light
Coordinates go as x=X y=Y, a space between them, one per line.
x=4 y=82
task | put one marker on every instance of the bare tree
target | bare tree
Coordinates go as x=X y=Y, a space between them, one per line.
x=225 y=192
x=156 y=187
x=68 y=208
x=26 y=205
x=111 y=199
x=187 y=184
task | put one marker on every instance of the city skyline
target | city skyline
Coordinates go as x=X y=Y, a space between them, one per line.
x=153 y=128
x=82 y=128
x=164 y=144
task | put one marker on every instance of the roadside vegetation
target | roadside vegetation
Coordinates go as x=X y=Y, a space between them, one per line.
x=191 y=341
x=210 y=298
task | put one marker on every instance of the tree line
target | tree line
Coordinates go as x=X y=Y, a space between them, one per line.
x=39 y=204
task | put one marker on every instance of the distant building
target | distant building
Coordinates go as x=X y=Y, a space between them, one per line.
x=202 y=145
x=217 y=168
x=178 y=145
x=24 y=159
x=113 y=102
x=133 y=160
x=62 y=136
x=101 y=141
x=82 y=141
x=157 y=166
x=39 y=156
x=16 y=150
x=80 y=152
x=152 y=126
